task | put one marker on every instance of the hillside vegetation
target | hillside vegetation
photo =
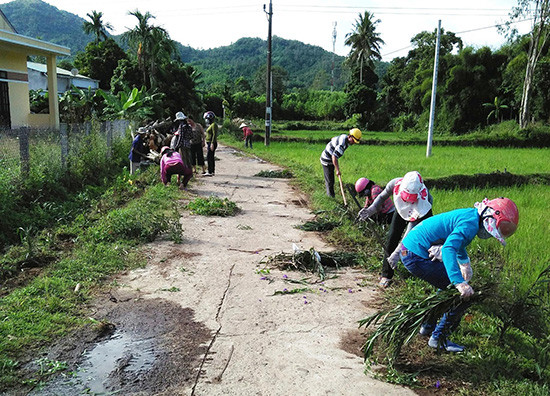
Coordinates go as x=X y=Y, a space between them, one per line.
x=304 y=63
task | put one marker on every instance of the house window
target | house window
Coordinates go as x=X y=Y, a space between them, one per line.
x=5 y=120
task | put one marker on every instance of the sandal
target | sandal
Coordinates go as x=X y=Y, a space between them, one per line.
x=384 y=282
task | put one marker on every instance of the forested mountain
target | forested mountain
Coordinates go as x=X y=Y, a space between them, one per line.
x=307 y=65
x=37 y=19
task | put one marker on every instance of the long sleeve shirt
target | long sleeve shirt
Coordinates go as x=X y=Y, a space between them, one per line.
x=212 y=133
x=167 y=162
x=456 y=228
x=387 y=205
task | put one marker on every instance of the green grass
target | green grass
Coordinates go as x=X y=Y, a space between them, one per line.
x=526 y=253
x=102 y=241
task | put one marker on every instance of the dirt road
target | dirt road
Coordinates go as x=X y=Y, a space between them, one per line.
x=202 y=317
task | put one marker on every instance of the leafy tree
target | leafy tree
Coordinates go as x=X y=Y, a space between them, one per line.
x=126 y=76
x=242 y=85
x=99 y=61
x=65 y=64
x=405 y=89
x=365 y=43
x=96 y=27
x=473 y=78
x=279 y=80
x=39 y=101
x=177 y=83
x=539 y=12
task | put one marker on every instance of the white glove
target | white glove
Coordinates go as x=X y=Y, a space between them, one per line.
x=435 y=252
x=465 y=290
x=365 y=213
x=393 y=259
x=466 y=270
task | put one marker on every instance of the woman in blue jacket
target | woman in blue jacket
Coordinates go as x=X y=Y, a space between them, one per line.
x=435 y=251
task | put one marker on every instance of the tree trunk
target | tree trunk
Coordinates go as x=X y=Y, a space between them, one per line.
x=527 y=88
x=538 y=40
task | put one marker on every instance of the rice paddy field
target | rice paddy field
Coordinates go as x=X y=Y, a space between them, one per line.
x=527 y=252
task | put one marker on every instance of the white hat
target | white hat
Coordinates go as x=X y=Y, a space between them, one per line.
x=180 y=116
x=242 y=125
x=410 y=197
x=141 y=130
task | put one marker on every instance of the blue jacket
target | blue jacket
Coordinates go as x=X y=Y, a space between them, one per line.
x=455 y=229
x=137 y=145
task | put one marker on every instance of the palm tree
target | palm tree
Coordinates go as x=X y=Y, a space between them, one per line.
x=365 y=42
x=162 y=49
x=96 y=26
x=151 y=43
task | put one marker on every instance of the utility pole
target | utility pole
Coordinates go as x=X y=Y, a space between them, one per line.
x=434 y=89
x=268 y=104
x=333 y=51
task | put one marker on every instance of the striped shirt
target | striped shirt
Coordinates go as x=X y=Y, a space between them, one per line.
x=336 y=147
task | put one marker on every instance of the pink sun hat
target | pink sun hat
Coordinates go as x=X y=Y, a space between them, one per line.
x=410 y=197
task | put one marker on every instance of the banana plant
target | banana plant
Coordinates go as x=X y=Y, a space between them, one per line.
x=135 y=105
x=497 y=106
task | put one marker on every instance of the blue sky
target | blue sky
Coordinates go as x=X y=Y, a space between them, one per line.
x=213 y=23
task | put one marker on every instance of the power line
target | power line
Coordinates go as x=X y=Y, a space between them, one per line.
x=464 y=31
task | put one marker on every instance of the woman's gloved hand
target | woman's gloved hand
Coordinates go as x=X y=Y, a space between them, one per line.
x=465 y=290
x=365 y=213
x=435 y=252
x=466 y=270
x=393 y=259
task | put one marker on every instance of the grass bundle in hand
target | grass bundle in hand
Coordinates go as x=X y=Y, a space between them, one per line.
x=398 y=326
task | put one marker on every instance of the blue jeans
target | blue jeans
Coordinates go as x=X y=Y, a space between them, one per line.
x=435 y=274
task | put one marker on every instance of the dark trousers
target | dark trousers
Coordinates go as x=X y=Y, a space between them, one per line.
x=248 y=141
x=197 y=156
x=185 y=153
x=180 y=169
x=397 y=227
x=328 y=171
x=210 y=151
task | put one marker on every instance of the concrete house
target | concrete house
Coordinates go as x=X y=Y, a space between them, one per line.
x=14 y=78
x=38 y=78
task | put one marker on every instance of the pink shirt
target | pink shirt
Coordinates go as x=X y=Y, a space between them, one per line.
x=167 y=162
x=375 y=191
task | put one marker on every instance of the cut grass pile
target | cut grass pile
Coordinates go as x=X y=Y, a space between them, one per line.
x=314 y=261
x=213 y=206
x=276 y=174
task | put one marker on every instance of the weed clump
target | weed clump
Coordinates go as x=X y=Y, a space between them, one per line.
x=276 y=174
x=213 y=206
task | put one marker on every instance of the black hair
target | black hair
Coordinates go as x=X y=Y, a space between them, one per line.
x=169 y=152
x=366 y=192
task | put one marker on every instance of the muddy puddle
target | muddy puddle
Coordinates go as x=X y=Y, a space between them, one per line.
x=154 y=347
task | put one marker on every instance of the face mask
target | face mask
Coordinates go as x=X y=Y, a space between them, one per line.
x=490 y=225
x=482 y=233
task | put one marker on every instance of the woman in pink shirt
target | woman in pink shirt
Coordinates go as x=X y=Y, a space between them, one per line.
x=172 y=164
